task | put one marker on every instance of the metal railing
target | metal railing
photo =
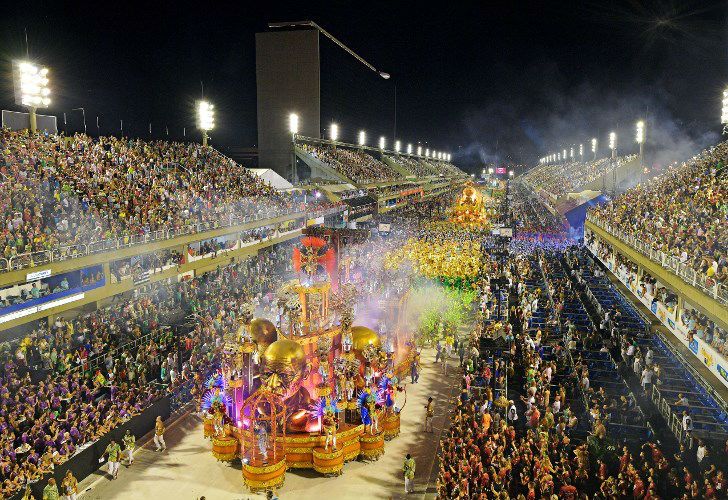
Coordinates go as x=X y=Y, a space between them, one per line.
x=693 y=278
x=65 y=252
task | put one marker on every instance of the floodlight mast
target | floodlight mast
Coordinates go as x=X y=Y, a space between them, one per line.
x=31 y=84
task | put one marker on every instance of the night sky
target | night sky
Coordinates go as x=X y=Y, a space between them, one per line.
x=489 y=81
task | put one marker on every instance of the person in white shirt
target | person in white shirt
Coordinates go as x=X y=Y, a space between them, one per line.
x=702 y=451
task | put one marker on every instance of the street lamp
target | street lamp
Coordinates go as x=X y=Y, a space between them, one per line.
x=31 y=89
x=581 y=151
x=409 y=149
x=427 y=152
x=382 y=142
x=362 y=138
x=594 y=147
x=419 y=150
x=397 y=146
x=571 y=153
x=564 y=155
x=334 y=133
x=205 y=119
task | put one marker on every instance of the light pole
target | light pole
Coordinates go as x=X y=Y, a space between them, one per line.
x=581 y=152
x=293 y=129
x=594 y=147
x=334 y=132
x=724 y=112
x=205 y=119
x=382 y=143
x=640 y=138
x=31 y=89
x=613 y=147
x=362 y=138
x=83 y=113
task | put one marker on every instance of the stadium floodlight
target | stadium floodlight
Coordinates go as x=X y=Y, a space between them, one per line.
x=362 y=138
x=31 y=88
x=382 y=142
x=724 y=114
x=439 y=155
x=571 y=153
x=397 y=146
x=449 y=156
x=409 y=149
x=427 y=153
x=640 y=138
x=640 y=134
x=581 y=151
x=419 y=150
x=612 y=140
x=564 y=155
x=558 y=156
x=205 y=119
x=334 y=132
x=293 y=123
x=594 y=147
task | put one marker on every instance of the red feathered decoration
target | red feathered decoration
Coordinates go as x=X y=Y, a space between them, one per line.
x=297 y=259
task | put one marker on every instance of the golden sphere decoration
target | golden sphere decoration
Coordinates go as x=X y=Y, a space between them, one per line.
x=362 y=337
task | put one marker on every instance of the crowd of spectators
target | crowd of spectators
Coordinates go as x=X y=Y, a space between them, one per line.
x=357 y=165
x=682 y=213
x=57 y=191
x=559 y=179
x=65 y=386
x=414 y=166
x=532 y=446
x=693 y=321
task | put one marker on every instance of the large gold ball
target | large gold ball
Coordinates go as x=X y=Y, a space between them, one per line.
x=263 y=332
x=362 y=336
x=284 y=356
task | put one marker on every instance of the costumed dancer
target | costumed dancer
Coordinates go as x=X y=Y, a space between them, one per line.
x=219 y=421
x=113 y=450
x=368 y=373
x=129 y=444
x=159 y=443
x=366 y=405
x=409 y=474
x=347 y=342
x=376 y=410
x=349 y=386
x=262 y=434
x=329 y=428
x=70 y=486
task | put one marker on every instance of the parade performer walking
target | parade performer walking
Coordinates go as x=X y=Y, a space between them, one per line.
x=70 y=486
x=409 y=474
x=113 y=451
x=50 y=492
x=159 y=435
x=429 y=414
x=129 y=444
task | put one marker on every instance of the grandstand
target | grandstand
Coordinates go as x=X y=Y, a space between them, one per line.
x=366 y=166
x=559 y=179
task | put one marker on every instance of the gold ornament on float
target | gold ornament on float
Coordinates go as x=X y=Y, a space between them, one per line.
x=263 y=332
x=362 y=337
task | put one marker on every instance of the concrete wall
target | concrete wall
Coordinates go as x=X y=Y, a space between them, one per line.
x=287 y=66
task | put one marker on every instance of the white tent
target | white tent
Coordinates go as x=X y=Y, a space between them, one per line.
x=272 y=178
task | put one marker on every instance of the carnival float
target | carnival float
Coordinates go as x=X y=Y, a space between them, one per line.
x=314 y=391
